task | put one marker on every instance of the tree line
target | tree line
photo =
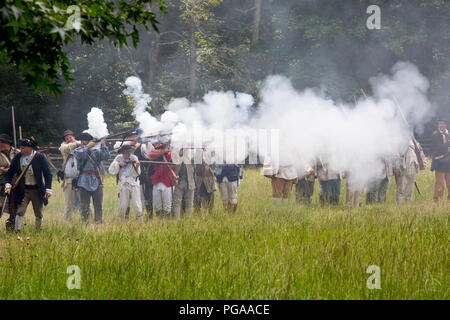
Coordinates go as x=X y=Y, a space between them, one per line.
x=188 y=47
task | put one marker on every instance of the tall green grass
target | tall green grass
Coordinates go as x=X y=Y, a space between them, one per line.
x=260 y=252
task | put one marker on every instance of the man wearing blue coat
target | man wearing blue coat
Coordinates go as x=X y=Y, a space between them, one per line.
x=228 y=176
x=34 y=185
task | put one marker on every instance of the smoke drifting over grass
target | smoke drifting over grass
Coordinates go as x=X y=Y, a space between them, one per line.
x=311 y=126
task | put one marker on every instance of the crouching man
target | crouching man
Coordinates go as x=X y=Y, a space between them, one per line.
x=127 y=167
x=33 y=182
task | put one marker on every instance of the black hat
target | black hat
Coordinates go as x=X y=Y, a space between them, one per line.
x=28 y=142
x=67 y=133
x=85 y=137
x=126 y=149
x=5 y=138
x=442 y=120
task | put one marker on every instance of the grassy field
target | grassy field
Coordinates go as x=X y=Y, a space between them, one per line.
x=260 y=252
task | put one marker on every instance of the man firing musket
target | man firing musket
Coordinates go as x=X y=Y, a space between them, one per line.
x=89 y=180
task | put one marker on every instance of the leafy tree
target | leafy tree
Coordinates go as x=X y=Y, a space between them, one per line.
x=33 y=33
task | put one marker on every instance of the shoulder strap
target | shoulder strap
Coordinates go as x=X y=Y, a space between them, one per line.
x=25 y=170
x=95 y=165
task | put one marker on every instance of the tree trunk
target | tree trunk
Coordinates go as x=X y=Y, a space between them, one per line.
x=192 y=63
x=256 y=22
x=153 y=59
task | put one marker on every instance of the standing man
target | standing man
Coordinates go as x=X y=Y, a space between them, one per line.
x=304 y=188
x=283 y=176
x=440 y=153
x=89 y=180
x=228 y=177
x=127 y=166
x=406 y=167
x=204 y=182
x=70 y=170
x=146 y=177
x=7 y=153
x=33 y=182
x=330 y=184
x=353 y=193
x=164 y=179
x=378 y=191
x=185 y=188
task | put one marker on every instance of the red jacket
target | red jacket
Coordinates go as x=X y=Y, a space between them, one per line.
x=163 y=173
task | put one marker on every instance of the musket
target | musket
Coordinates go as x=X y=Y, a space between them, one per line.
x=4 y=205
x=115 y=135
x=363 y=93
x=157 y=162
x=397 y=104
x=417 y=188
x=14 y=129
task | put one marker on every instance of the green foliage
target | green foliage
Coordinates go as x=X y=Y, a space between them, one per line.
x=33 y=33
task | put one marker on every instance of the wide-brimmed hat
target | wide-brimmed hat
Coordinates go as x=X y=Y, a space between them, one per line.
x=125 y=149
x=85 y=137
x=28 y=142
x=5 y=138
x=68 y=133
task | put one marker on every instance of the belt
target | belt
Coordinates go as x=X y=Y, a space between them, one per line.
x=89 y=172
x=30 y=187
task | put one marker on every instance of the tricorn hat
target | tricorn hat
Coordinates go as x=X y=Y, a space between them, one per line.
x=441 y=119
x=5 y=138
x=28 y=142
x=68 y=133
x=125 y=149
x=85 y=137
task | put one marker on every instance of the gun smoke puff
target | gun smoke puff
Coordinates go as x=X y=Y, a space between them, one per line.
x=96 y=124
x=348 y=138
x=147 y=123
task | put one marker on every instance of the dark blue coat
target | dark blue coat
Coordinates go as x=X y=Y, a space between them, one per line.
x=231 y=171
x=41 y=170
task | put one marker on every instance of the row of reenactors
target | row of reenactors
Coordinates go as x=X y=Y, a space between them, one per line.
x=404 y=167
x=153 y=177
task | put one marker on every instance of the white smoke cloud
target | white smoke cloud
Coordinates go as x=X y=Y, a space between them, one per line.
x=311 y=125
x=96 y=124
x=348 y=138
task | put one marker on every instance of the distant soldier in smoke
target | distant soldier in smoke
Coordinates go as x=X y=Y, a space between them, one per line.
x=127 y=166
x=378 y=190
x=304 y=188
x=228 y=177
x=164 y=179
x=70 y=172
x=205 y=183
x=406 y=167
x=330 y=184
x=146 y=177
x=90 y=180
x=7 y=153
x=33 y=181
x=353 y=193
x=282 y=176
x=441 y=160
x=185 y=188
